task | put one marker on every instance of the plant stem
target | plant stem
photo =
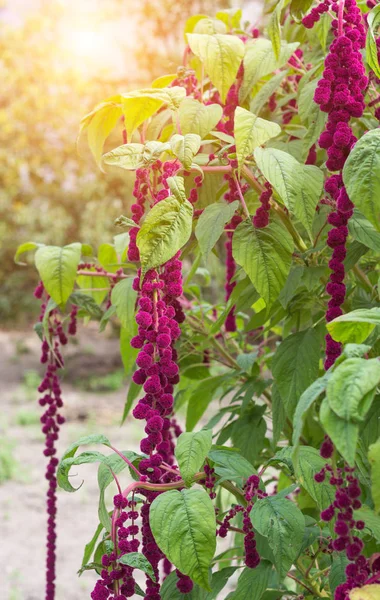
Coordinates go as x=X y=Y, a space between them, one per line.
x=289 y=226
x=130 y=465
x=310 y=585
x=245 y=208
x=309 y=589
x=362 y=277
x=230 y=487
x=105 y=274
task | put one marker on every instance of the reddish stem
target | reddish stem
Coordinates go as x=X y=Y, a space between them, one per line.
x=126 y=461
x=340 y=17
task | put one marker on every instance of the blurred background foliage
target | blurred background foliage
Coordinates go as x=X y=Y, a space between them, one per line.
x=57 y=60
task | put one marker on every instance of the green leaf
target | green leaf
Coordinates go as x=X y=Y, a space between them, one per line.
x=191 y=451
x=127 y=353
x=58 y=269
x=344 y=434
x=136 y=560
x=127 y=156
x=165 y=230
x=86 y=303
x=351 y=388
x=133 y=392
x=367 y=592
x=308 y=397
x=230 y=465
x=371 y=519
x=183 y=524
x=373 y=22
x=361 y=176
x=185 y=147
x=354 y=326
x=89 y=283
x=201 y=398
x=123 y=221
x=211 y=224
x=274 y=28
x=307 y=464
x=248 y=432
x=265 y=255
x=265 y=92
x=221 y=56
x=260 y=60
x=111 y=464
x=66 y=464
x=107 y=257
x=374 y=459
x=299 y=186
x=99 y=124
x=89 y=548
x=337 y=573
x=363 y=231
x=26 y=247
x=250 y=132
x=252 y=581
x=198 y=118
x=283 y=524
x=295 y=366
x=90 y=567
x=124 y=298
x=299 y=7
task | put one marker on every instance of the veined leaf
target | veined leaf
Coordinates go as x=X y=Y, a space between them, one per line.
x=211 y=224
x=344 y=434
x=363 y=231
x=183 y=524
x=250 y=132
x=127 y=156
x=124 y=297
x=221 y=56
x=191 y=451
x=252 y=581
x=299 y=186
x=373 y=22
x=361 y=176
x=354 y=326
x=185 y=147
x=165 y=230
x=308 y=397
x=99 y=124
x=58 y=269
x=374 y=459
x=198 y=118
x=265 y=255
x=274 y=28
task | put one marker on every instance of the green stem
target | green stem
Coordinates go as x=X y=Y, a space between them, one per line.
x=311 y=586
x=362 y=277
x=230 y=487
x=289 y=226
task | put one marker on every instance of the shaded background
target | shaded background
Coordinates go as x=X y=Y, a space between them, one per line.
x=57 y=60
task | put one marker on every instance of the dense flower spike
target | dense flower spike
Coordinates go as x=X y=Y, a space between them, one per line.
x=51 y=420
x=261 y=217
x=340 y=94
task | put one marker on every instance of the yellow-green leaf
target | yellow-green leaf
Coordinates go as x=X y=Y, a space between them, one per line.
x=195 y=117
x=185 y=147
x=58 y=268
x=367 y=592
x=99 y=124
x=221 y=56
x=127 y=156
x=250 y=132
x=374 y=460
x=166 y=228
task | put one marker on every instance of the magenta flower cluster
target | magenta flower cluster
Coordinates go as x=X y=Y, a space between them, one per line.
x=340 y=93
x=251 y=490
x=347 y=500
x=261 y=217
x=51 y=420
x=158 y=321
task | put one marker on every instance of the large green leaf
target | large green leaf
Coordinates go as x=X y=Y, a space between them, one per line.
x=183 y=524
x=265 y=255
x=231 y=465
x=136 y=560
x=299 y=186
x=201 y=398
x=127 y=156
x=185 y=147
x=250 y=132
x=58 y=269
x=260 y=60
x=191 y=451
x=371 y=519
x=308 y=397
x=373 y=22
x=198 y=118
x=351 y=388
x=374 y=459
x=165 y=230
x=252 y=583
x=355 y=326
x=96 y=287
x=307 y=464
x=295 y=366
x=221 y=56
x=211 y=224
x=337 y=573
x=283 y=524
x=123 y=298
x=344 y=434
x=248 y=432
x=361 y=176
x=363 y=231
